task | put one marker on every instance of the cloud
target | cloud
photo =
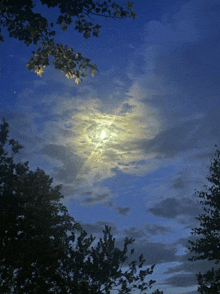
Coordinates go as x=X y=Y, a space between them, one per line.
x=135 y=232
x=71 y=141
x=70 y=163
x=174 y=140
x=189 y=267
x=184 y=273
x=123 y=210
x=172 y=207
x=122 y=131
x=155 y=252
x=182 y=280
x=157 y=229
x=147 y=230
x=98 y=199
x=183 y=180
x=180 y=78
x=194 y=25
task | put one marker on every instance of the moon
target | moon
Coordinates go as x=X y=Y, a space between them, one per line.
x=104 y=139
x=103 y=134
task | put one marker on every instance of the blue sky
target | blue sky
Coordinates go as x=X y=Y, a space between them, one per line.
x=130 y=145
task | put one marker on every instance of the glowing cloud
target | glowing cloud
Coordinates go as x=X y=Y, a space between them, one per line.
x=103 y=134
x=108 y=140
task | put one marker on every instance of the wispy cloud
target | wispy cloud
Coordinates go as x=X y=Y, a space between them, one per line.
x=171 y=208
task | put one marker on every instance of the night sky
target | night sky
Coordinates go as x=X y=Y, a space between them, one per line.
x=132 y=144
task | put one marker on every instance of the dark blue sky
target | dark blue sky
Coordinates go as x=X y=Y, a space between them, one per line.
x=130 y=145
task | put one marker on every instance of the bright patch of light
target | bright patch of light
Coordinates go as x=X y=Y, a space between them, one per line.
x=106 y=140
x=103 y=134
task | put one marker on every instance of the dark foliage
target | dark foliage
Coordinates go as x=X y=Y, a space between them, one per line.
x=42 y=248
x=33 y=224
x=23 y=23
x=207 y=246
x=157 y=292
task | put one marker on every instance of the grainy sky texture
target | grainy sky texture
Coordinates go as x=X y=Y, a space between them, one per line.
x=130 y=145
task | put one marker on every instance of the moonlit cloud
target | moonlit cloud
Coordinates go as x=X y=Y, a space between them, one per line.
x=74 y=139
x=126 y=124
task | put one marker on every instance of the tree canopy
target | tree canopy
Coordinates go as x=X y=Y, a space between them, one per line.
x=207 y=246
x=43 y=249
x=33 y=224
x=31 y=27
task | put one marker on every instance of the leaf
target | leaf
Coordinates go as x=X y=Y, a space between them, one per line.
x=78 y=80
x=63 y=27
x=86 y=34
x=129 y=4
x=92 y=72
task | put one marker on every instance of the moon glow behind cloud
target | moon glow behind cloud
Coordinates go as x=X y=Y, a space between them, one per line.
x=108 y=140
x=103 y=134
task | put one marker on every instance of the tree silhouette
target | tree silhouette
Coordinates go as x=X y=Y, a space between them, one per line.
x=33 y=224
x=32 y=28
x=42 y=248
x=157 y=292
x=207 y=246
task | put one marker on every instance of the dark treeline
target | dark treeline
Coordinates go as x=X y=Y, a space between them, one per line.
x=207 y=244
x=44 y=250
